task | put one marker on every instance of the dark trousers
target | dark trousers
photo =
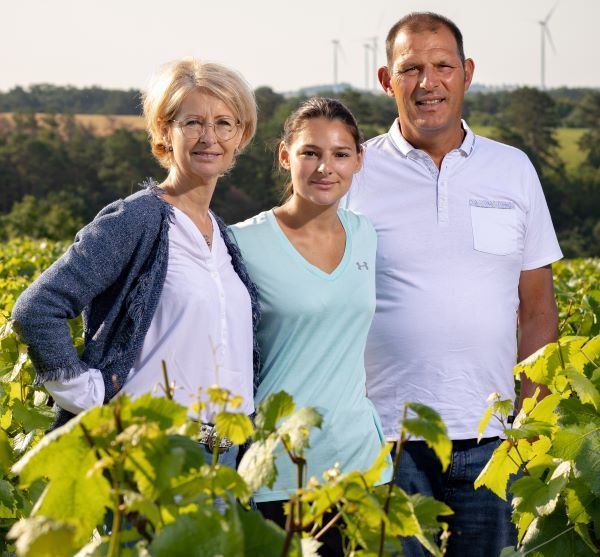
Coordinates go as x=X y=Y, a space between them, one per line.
x=331 y=540
x=480 y=525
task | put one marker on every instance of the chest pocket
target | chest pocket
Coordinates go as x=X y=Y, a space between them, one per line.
x=495 y=226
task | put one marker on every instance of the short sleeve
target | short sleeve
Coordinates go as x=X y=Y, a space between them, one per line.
x=541 y=245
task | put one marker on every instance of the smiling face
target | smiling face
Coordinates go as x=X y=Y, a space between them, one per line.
x=322 y=158
x=207 y=157
x=428 y=81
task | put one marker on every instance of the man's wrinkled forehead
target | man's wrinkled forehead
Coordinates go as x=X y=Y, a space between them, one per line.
x=438 y=38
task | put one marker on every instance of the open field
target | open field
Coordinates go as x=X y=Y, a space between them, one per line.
x=568 y=149
x=101 y=124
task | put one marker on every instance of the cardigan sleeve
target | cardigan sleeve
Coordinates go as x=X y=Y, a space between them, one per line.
x=93 y=262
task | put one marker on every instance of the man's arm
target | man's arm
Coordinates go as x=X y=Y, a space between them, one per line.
x=538 y=320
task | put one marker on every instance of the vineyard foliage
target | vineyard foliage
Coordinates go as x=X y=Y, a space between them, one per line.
x=551 y=455
x=129 y=479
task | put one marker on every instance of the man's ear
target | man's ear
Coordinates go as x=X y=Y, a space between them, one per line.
x=385 y=80
x=469 y=71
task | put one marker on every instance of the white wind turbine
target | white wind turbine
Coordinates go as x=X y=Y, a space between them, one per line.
x=545 y=33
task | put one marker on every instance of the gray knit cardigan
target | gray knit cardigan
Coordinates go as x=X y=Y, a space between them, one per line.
x=113 y=274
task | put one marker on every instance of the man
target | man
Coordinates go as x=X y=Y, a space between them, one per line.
x=465 y=246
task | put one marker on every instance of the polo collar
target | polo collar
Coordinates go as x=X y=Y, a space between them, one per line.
x=466 y=147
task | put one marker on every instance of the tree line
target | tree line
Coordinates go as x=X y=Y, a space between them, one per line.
x=483 y=105
x=55 y=173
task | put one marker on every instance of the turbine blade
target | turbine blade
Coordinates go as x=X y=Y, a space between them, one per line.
x=550 y=13
x=547 y=31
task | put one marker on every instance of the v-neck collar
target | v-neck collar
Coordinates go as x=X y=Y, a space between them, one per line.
x=190 y=226
x=301 y=260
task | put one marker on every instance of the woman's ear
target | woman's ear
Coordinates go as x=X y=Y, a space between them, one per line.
x=284 y=156
x=165 y=131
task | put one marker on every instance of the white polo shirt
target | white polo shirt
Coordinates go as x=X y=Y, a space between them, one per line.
x=451 y=246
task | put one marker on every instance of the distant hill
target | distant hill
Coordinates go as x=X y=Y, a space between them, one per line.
x=49 y=98
x=100 y=124
x=55 y=99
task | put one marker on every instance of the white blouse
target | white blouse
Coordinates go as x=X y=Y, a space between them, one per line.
x=202 y=329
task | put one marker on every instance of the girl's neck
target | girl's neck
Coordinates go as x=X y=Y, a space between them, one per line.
x=298 y=213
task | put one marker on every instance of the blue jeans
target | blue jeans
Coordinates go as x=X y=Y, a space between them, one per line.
x=228 y=458
x=480 y=525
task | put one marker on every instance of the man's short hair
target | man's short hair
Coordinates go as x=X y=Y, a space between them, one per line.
x=418 y=22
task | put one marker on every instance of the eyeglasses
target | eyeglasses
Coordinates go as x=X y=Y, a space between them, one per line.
x=225 y=128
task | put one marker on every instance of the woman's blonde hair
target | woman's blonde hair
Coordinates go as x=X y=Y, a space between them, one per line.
x=175 y=80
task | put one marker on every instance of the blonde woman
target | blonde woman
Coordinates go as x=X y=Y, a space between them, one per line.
x=155 y=274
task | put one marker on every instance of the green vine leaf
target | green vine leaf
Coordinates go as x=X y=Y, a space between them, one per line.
x=585 y=389
x=552 y=536
x=496 y=473
x=427 y=511
x=296 y=429
x=237 y=427
x=8 y=502
x=43 y=537
x=198 y=535
x=262 y=537
x=537 y=497
x=429 y=425
x=270 y=411
x=257 y=467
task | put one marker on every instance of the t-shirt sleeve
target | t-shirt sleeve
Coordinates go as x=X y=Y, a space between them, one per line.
x=541 y=245
x=232 y=234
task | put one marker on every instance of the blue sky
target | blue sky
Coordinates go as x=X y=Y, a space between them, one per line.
x=285 y=45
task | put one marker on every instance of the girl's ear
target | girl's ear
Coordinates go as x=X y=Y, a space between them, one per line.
x=359 y=159
x=284 y=156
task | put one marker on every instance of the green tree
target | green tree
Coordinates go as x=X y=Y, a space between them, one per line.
x=529 y=122
x=54 y=217
x=590 y=141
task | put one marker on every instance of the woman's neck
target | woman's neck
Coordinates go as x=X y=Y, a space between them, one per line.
x=191 y=196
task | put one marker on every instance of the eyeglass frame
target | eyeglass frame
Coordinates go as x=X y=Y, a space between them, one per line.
x=205 y=126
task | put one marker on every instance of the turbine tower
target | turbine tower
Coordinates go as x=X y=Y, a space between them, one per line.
x=545 y=33
x=336 y=46
x=374 y=49
x=367 y=47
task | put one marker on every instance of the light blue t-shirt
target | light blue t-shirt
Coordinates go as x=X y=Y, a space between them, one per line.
x=312 y=337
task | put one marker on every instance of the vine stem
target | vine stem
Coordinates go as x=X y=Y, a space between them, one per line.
x=328 y=525
x=168 y=390
x=115 y=535
x=386 y=506
x=299 y=478
x=289 y=532
x=589 y=359
x=290 y=525
x=560 y=355
x=564 y=321
x=113 y=548
x=550 y=540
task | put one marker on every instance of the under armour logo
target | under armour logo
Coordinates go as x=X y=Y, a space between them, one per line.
x=362 y=266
